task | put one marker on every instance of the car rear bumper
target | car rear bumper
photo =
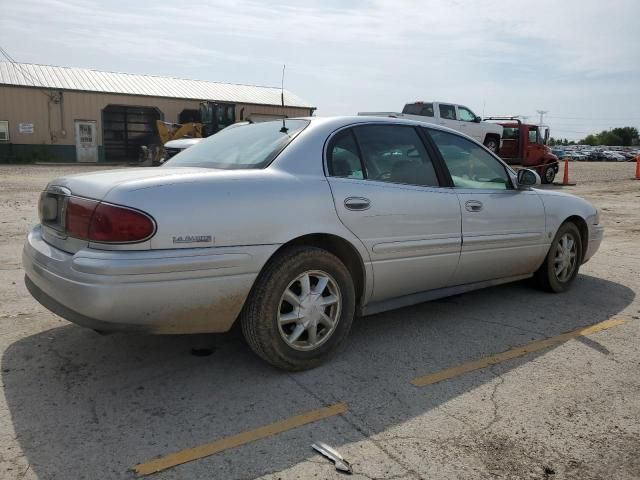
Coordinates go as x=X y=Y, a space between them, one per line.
x=596 y=233
x=162 y=291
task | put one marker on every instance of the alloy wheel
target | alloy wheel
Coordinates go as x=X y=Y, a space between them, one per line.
x=565 y=260
x=309 y=310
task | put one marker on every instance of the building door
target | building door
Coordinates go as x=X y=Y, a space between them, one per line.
x=86 y=141
x=125 y=129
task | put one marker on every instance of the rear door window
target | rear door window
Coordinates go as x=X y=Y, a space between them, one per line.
x=447 y=112
x=343 y=158
x=395 y=154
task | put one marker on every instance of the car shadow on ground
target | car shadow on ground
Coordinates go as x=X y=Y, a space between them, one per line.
x=90 y=406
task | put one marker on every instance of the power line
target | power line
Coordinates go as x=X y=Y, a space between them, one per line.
x=25 y=73
x=595 y=118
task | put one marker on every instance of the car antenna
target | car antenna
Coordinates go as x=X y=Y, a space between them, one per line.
x=284 y=128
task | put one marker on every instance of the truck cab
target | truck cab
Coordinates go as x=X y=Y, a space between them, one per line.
x=526 y=144
x=451 y=115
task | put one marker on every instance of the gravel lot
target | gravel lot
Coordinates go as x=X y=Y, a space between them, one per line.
x=79 y=405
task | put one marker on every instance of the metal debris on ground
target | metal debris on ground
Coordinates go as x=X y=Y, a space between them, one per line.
x=332 y=454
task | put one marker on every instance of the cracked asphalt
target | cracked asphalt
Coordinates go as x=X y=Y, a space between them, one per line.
x=77 y=405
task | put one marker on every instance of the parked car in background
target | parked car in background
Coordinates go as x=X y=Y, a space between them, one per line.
x=451 y=115
x=173 y=147
x=611 y=156
x=292 y=227
x=579 y=156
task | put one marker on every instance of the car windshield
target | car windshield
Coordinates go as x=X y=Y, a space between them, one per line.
x=245 y=147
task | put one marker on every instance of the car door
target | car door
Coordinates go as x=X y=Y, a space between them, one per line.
x=386 y=190
x=503 y=229
x=468 y=124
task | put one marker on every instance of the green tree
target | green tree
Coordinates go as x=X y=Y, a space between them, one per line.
x=628 y=135
x=607 y=137
x=624 y=136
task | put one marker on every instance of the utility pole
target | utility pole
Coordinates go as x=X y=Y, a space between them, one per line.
x=542 y=112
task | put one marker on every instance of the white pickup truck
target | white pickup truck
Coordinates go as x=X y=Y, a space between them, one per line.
x=456 y=117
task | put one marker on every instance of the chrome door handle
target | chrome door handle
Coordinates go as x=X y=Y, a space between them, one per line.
x=357 y=203
x=473 y=205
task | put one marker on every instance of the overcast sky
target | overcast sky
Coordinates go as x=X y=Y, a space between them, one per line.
x=578 y=59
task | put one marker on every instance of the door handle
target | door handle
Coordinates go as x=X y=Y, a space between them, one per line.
x=357 y=203
x=473 y=205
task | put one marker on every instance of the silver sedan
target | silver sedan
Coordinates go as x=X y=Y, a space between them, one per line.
x=294 y=227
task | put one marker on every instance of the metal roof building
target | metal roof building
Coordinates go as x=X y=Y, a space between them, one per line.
x=75 y=114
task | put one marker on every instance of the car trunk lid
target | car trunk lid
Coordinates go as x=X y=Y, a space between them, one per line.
x=52 y=207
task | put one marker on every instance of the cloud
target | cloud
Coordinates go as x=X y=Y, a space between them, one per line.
x=574 y=58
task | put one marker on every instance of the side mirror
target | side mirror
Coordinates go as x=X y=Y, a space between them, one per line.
x=528 y=178
x=477 y=119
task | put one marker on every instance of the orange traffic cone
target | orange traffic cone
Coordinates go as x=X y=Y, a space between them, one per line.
x=638 y=167
x=565 y=178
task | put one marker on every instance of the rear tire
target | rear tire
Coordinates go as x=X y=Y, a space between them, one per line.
x=492 y=144
x=300 y=308
x=561 y=265
x=549 y=174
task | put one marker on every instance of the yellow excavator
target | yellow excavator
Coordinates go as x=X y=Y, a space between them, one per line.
x=156 y=154
x=173 y=131
x=214 y=117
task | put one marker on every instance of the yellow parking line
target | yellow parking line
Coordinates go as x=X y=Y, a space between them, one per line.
x=436 y=377
x=207 y=449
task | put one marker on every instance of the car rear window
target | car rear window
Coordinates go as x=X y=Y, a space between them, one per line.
x=250 y=146
x=423 y=109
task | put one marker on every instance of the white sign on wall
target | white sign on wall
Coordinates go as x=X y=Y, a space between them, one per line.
x=25 y=128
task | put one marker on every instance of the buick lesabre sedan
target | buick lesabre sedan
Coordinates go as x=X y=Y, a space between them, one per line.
x=294 y=227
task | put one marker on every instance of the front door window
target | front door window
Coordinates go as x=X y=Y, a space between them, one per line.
x=469 y=164
x=466 y=115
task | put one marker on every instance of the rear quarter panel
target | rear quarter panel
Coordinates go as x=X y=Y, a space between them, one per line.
x=235 y=208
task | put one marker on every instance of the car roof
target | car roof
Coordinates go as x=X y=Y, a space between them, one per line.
x=342 y=121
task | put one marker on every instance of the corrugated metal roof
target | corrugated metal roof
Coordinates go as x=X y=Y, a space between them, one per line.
x=66 y=78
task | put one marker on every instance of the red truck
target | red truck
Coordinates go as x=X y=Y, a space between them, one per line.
x=526 y=145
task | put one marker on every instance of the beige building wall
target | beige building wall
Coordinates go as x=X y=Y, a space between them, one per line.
x=54 y=123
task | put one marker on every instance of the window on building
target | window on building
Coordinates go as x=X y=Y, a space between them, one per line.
x=4 y=130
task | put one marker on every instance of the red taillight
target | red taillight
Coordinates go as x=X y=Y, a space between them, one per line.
x=102 y=222
x=79 y=213
x=119 y=225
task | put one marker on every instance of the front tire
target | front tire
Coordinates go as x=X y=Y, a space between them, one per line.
x=561 y=265
x=492 y=143
x=549 y=174
x=300 y=308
